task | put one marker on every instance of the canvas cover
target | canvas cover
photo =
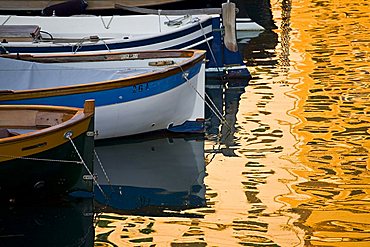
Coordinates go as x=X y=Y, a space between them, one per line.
x=23 y=75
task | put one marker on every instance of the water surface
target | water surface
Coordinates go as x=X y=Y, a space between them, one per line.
x=291 y=165
x=287 y=164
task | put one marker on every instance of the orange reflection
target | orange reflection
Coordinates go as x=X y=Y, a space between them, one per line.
x=334 y=113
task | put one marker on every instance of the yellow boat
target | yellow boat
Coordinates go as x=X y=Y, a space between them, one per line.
x=45 y=150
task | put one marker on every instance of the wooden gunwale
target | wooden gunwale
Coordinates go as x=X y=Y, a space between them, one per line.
x=195 y=56
x=80 y=117
x=36 y=142
x=26 y=145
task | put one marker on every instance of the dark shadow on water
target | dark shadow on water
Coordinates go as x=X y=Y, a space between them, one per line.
x=258 y=10
x=260 y=51
x=65 y=222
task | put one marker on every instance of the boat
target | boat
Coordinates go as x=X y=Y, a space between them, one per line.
x=45 y=151
x=134 y=92
x=245 y=27
x=151 y=174
x=34 y=5
x=91 y=33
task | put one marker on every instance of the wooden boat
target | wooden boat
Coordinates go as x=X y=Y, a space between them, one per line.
x=79 y=34
x=134 y=92
x=37 y=149
x=144 y=173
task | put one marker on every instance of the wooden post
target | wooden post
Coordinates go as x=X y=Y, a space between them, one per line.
x=89 y=106
x=228 y=20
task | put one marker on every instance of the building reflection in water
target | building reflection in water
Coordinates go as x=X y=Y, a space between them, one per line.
x=334 y=122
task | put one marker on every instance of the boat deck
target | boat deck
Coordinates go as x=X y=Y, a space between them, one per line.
x=12 y=33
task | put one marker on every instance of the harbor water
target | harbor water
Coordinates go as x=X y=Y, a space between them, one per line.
x=287 y=164
x=291 y=165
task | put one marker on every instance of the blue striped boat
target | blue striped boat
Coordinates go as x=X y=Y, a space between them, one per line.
x=134 y=92
x=79 y=34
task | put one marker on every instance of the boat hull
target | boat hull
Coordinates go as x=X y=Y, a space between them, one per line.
x=43 y=174
x=166 y=110
x=173 y=101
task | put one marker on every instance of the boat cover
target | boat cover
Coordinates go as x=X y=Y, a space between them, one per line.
x=23 y=75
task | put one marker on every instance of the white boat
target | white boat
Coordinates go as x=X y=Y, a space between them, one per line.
x=79 y=34
x=134 y=92
x=247 y=29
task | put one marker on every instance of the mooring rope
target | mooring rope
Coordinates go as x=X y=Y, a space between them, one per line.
x=88 y=170
x=209 y=47
x=105 y=43
x=5 y=50
x=106 y=26
x=40 y=159
x=159 y=20
x=6 y=20
x=215 y=111
x=78 y=44
x=102 y=168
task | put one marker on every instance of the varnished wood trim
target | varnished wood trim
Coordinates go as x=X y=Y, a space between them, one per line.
x=78 y=118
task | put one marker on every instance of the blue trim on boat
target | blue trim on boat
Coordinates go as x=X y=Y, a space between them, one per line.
x=114 y=96
x=134 y=198
x=191 y=42
x=189 y=127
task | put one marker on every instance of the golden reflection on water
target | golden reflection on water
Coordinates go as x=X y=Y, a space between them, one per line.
x=296 y=171
x=334 y=113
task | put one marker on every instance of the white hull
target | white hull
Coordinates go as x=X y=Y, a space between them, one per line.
x=157 y=112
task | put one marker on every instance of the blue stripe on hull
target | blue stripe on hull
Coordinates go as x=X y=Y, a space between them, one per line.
x=189 y=126
x=115 y=96
x=136 y=198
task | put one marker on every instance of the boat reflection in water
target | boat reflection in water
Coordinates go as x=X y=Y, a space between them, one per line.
x=150 y=175
x=225 y=97
x=57 y=223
